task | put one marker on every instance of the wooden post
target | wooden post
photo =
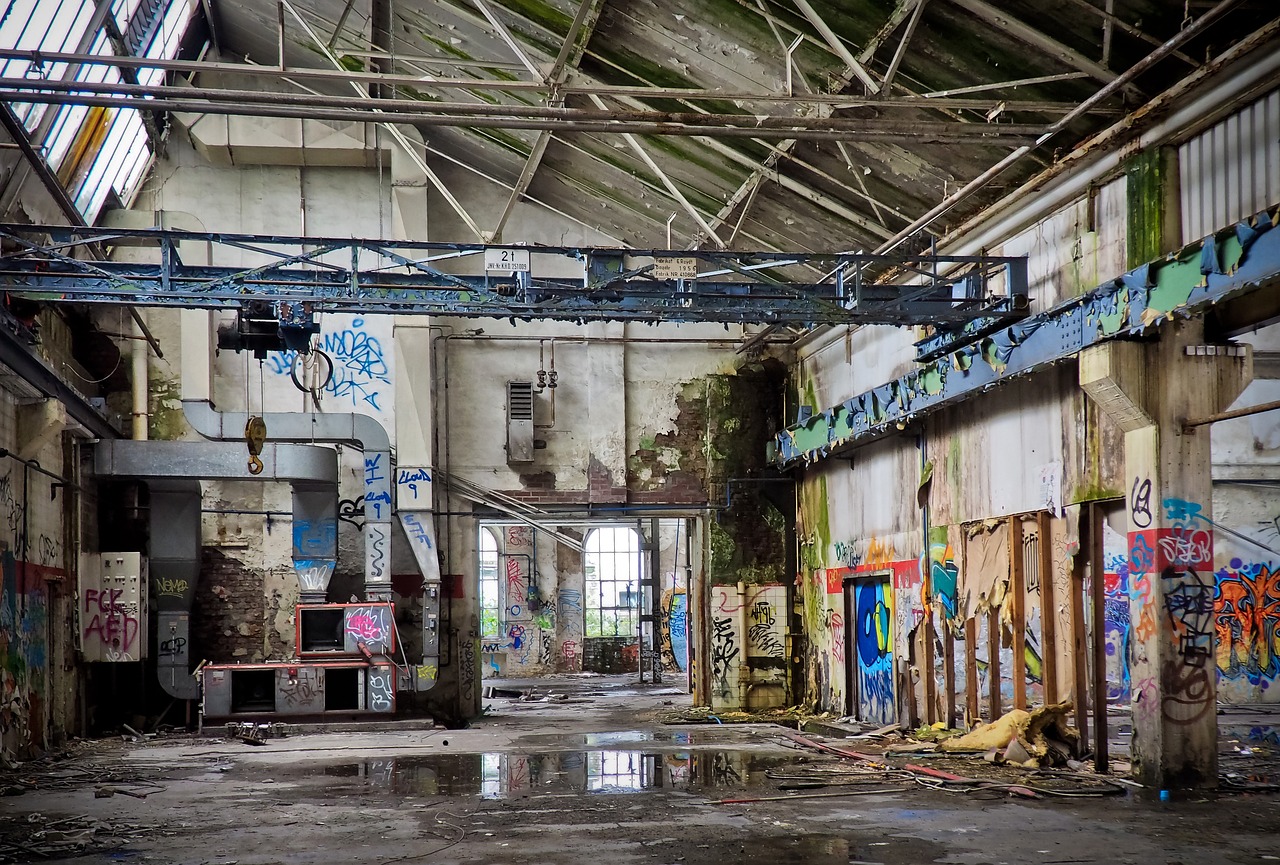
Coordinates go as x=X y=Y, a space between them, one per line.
x=993 y=663
x=949 y=675
x=1018 y=592
x=930 y=684
x=971 y=668
x=1079 y=646
x=1097 y=584
x=1048 y=611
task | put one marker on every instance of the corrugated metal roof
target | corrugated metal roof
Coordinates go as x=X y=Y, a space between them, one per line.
x=817 y=195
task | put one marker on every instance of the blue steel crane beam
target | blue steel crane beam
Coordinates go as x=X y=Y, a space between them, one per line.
x=51 y=264
x=1236 y=261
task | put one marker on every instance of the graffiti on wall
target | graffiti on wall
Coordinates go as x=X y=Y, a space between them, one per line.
x=1247 y=622
x=944 y=574
x=1188 y=603
x=724 y=654
x=110 y=621
x=673 y=640
x=766 y=625
x=1116 y=614
x=370 y=625
x=361 y=373
x=23 y=656
x=873 y=634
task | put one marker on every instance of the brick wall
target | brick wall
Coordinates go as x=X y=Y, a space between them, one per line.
x=227 y=618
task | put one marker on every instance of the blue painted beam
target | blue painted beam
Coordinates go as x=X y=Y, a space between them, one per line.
x=48 y=263
x=1237 y=260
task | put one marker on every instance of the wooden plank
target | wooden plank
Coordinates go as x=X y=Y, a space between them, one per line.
x=993 y=664
x=1098 y=590
x=1079 y=646
x=949 y=675
x=971 y=670
x=927 y=674
x=1048 y=610
x=909 y=691
x=1018 y=607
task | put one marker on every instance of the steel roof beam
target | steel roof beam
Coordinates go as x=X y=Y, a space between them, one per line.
x=935 y=133
x=21 y=89
x=571 y=50
x=1037 y=39
x=192 y=67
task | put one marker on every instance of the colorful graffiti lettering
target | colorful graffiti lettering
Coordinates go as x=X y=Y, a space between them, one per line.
x=369 y=624
x=1142 y=557
x=1247 y=622
x=1116 y=615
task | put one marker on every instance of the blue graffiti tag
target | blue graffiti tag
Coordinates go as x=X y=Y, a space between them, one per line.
x=360 y=367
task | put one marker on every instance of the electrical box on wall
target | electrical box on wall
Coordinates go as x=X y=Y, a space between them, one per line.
x=519 y=422
x=112 y=607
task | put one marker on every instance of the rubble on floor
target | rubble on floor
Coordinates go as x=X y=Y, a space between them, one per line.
x=22 y=838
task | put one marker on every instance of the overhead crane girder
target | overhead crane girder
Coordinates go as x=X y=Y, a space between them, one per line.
x=367 y=276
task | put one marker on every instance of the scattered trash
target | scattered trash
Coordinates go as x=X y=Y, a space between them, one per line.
x=255 y=734
x=37 y=837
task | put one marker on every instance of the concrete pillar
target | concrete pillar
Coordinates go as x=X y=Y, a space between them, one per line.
x=1148 y=389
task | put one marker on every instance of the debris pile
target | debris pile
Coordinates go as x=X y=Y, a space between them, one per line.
x=1032 y=740
x=23 y=839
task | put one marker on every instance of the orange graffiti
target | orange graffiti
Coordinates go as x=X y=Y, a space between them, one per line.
x=879 y=553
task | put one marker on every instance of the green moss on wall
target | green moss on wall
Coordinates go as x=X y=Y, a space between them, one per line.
x=720 y=433
x=814 y=524
x=166 y=421
x=1145 y=189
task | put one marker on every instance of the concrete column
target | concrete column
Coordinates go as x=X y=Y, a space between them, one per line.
x=1148 y=390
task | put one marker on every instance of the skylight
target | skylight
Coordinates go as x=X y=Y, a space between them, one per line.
x=95 y=151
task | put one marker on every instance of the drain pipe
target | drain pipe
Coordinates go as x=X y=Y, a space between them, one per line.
x=141 y=401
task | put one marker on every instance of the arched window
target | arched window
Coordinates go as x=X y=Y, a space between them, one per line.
x=490 y=588
x=612 y=565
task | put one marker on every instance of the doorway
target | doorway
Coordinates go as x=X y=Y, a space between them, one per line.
x=868 y=603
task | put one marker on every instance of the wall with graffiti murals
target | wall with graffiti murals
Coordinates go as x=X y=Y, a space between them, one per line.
x=894 y=633
x=34 y=596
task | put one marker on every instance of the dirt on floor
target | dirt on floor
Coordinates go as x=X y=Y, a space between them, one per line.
x=585 y=770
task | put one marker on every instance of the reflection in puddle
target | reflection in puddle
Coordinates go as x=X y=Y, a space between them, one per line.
x=625 y=737
x=605 y=771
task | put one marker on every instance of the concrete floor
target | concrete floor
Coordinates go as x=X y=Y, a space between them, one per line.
x=594 y=777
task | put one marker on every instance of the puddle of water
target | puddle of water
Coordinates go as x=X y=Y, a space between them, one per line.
x=625 y=737
x=495 y=776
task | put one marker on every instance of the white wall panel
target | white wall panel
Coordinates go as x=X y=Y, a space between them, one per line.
x=1232 y=169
